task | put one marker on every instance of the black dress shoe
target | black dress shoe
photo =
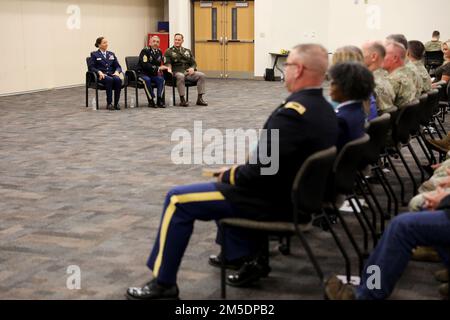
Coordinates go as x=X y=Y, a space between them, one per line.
x=183 y=102
x=160 y=103
x=216 y=261
x=249 y=273
x=109 y=107
x=151 y=104
x=117 y=107
x=153 y=291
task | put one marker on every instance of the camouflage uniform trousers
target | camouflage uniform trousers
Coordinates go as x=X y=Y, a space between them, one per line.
x=440 y=175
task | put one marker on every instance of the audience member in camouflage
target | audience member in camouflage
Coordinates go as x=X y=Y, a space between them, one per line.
x=374 y=54
x=399 y=77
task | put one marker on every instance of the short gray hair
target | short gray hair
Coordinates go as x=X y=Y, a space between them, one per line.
x=313 y=56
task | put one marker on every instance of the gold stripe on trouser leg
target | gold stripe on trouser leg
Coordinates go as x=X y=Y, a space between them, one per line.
x=149 y=96
x=170 y=211
x=232 y=176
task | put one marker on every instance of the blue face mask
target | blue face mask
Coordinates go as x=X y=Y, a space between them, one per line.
x=334 y=104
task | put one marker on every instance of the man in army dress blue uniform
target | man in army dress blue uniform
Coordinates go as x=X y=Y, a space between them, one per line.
x=151 y=68
x=306 y=123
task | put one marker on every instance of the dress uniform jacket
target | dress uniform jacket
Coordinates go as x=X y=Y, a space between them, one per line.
x=149 y=61
x=107 y=65
x=351 y=122
x=307 y=123
x=180 y=59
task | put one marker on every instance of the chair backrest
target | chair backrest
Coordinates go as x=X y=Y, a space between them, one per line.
x=309 y=186
x=443 y=92
x=88 y=62
x=433 y=100
x=448 y=92
x=434 y=58
x=132 y=63
x=378 y=131
x=405 y=122
x=423 y=116
x=347 y=164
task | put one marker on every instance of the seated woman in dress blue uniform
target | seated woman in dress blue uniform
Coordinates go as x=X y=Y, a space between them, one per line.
x=106 y=65
x=351 y=84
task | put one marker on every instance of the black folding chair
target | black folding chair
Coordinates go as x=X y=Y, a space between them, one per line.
x=134 y=81
x=92 y=82
x=433 y=60
x=307 y=197
x=171 y=81
x=378 y=130
x=343 y=183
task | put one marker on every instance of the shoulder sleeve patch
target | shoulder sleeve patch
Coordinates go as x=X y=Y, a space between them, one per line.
x=296 y=107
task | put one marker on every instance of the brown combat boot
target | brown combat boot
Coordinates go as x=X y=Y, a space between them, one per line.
x=200 y=101
x=336 y=290
x=441 y=145
x=426 y=254
x=443 y=291
x=442 y=275
x=183 y=102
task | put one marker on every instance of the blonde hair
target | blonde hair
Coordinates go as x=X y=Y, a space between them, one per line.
x=347 y=54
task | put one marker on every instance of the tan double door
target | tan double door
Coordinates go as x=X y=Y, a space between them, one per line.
x=224 y=38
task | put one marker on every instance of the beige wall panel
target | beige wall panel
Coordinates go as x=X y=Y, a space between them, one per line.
x=42 y=52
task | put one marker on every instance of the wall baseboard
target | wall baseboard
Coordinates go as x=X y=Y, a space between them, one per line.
x=41 y=90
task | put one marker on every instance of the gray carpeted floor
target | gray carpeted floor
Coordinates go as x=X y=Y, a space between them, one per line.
x=85 y=188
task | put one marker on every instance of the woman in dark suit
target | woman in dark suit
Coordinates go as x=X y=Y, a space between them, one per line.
x=351 y=84
x=106 y=65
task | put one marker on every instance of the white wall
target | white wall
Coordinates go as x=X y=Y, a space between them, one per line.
x=38 y=50
x=180 y=12
x=282 y=24
x=417 y=19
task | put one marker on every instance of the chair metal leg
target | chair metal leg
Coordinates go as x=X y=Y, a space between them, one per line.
x=126 y=98
x=309 y=252
x=433 y=158
x=417 y=161
x=408 y=170
x=436 y=128
x=173 y=93
x=362 y=225
x=424 y=149
x=348 y=270
x=388 y=190
x=87 y=96
x=371 y=227
x=137 y=97
x=377 y=203
x=96 y=99
x=441 y=125
x=223 y=271
x=187 y=93
x=351 y=238
x=400 y=181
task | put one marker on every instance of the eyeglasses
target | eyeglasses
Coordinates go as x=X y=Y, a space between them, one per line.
x=287 y=64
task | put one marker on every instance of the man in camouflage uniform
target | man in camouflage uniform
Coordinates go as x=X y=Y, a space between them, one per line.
x=416 y=51
x=182 y=65
x=410 y=69
x=440 y=178
x=413 y=72
x=374 y=53
x=399 y=77
x=435 y=44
